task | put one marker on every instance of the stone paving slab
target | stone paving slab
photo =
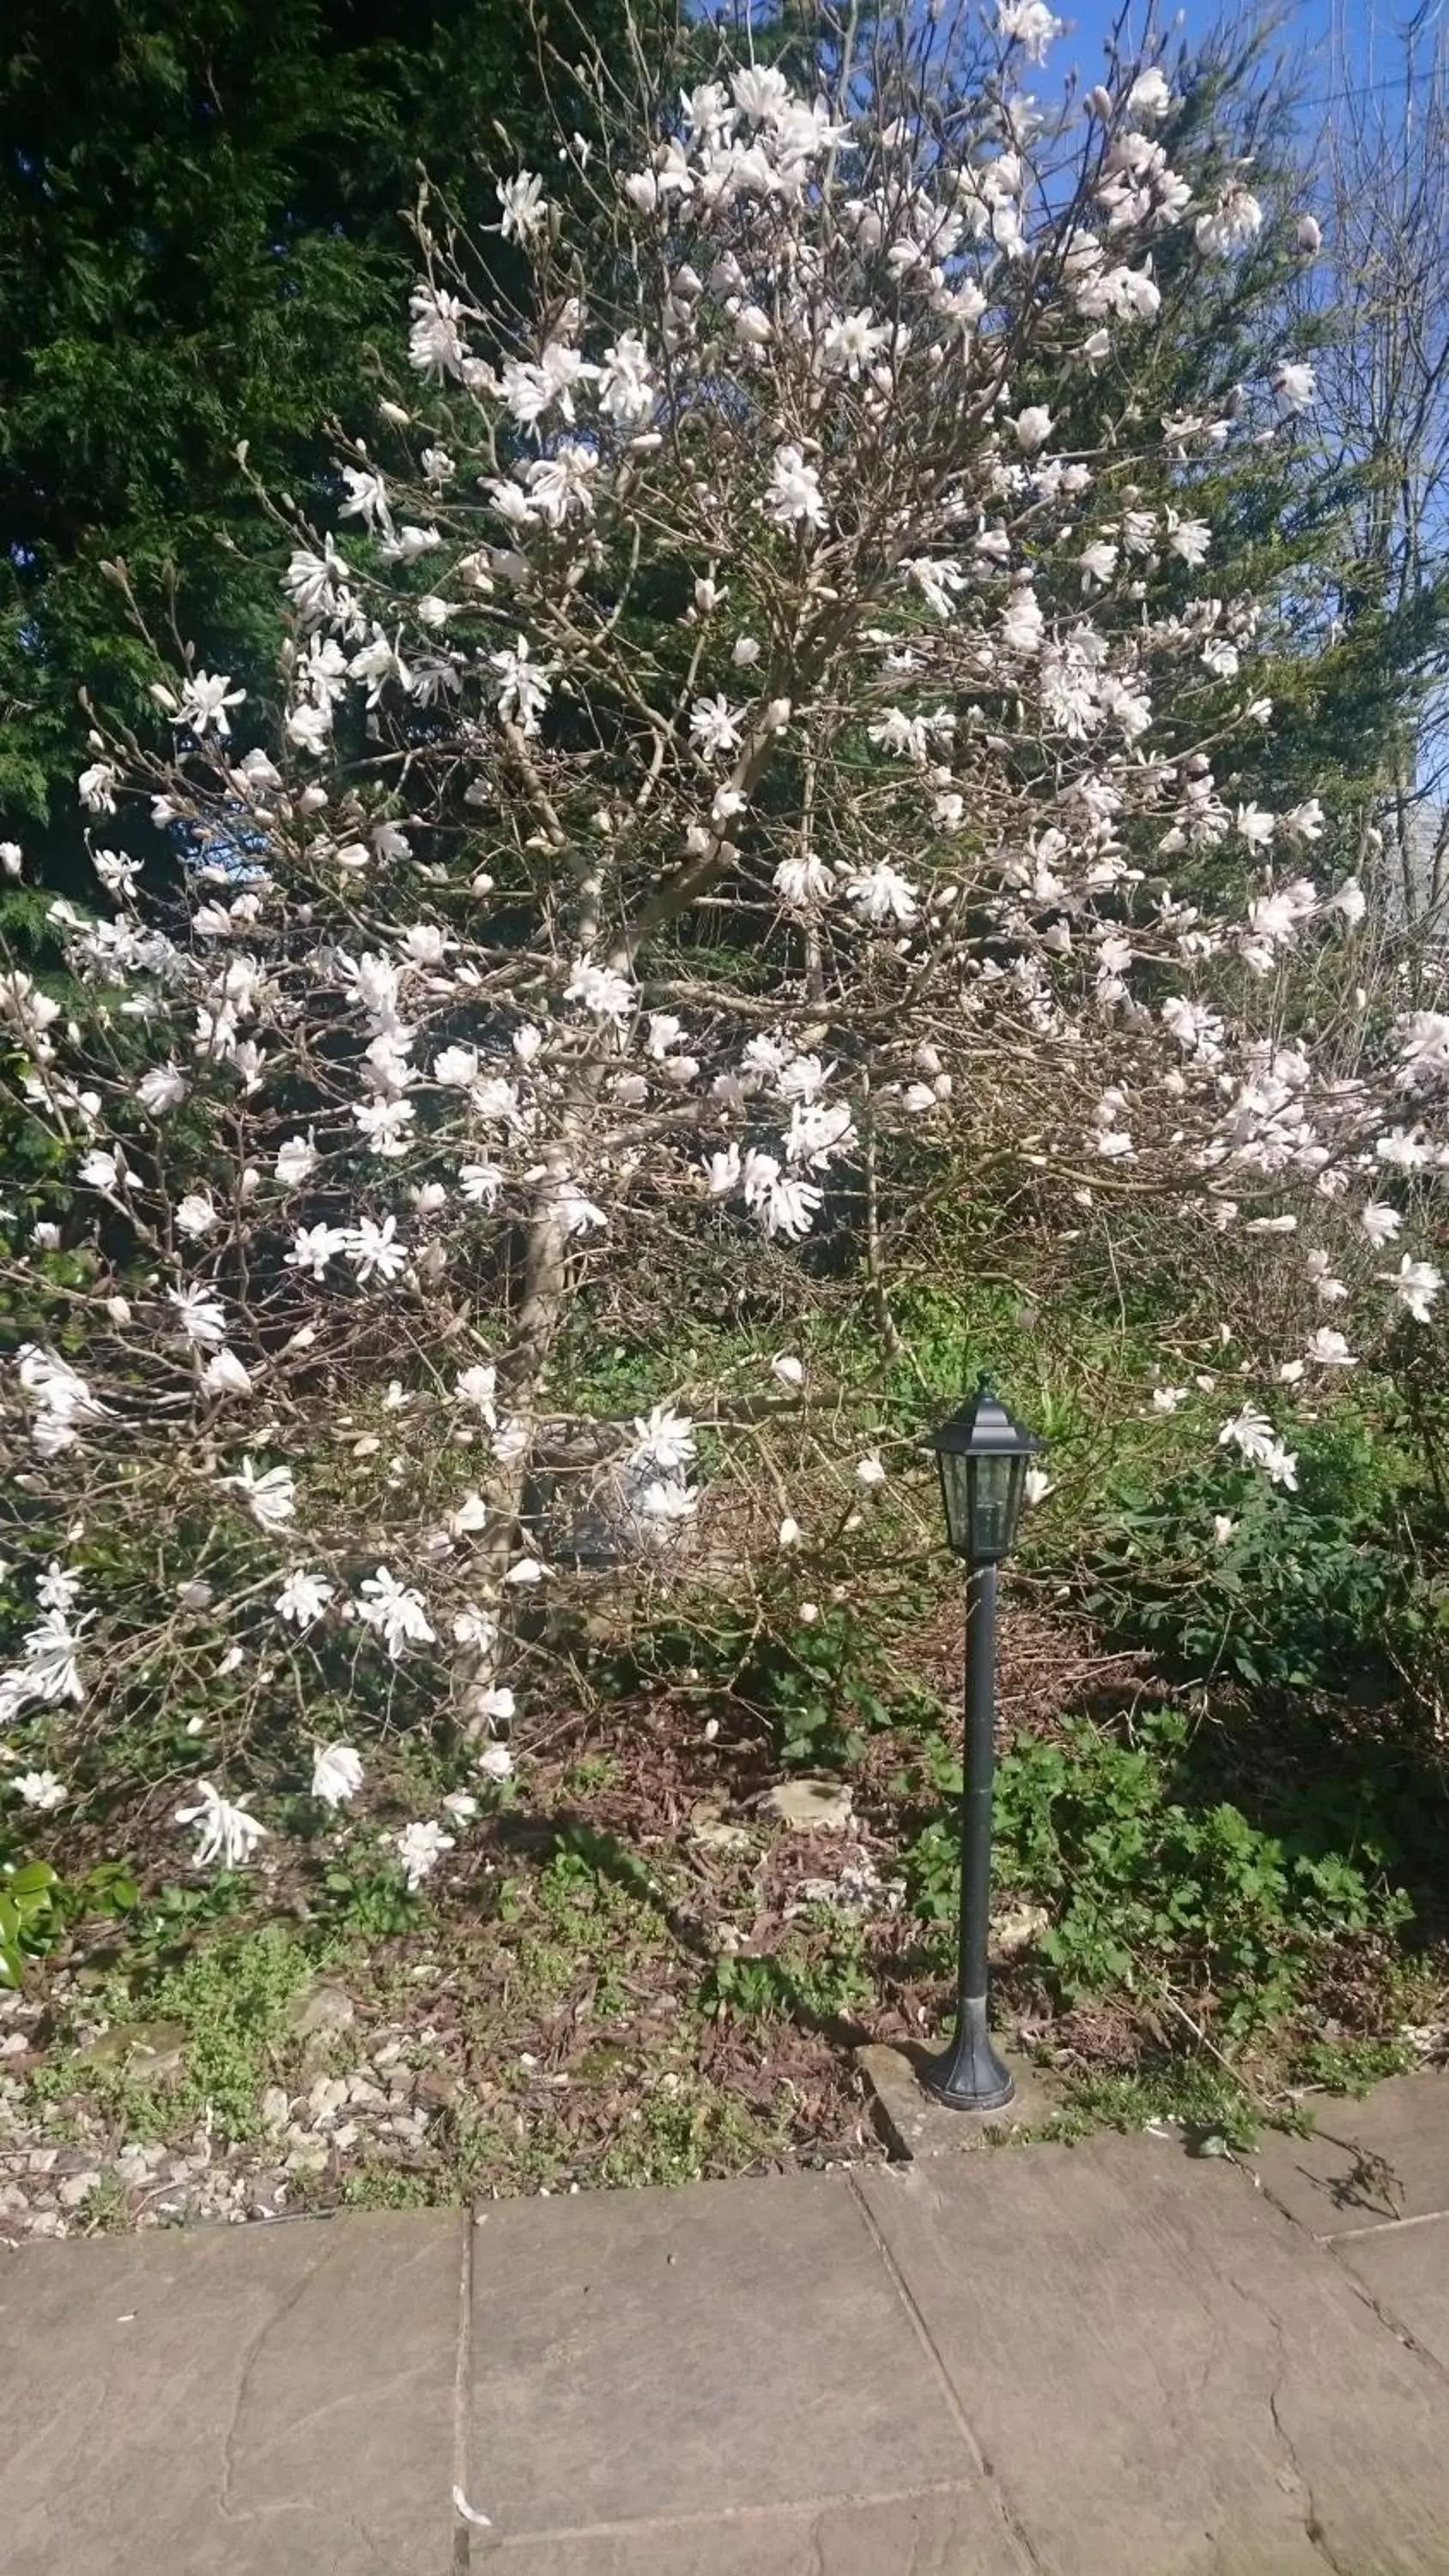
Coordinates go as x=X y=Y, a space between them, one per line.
x=1406 y=2273
x=1165 y=2374
x=1103 y=2361
x=1368 y=2163
x=649 y=2354
x=232 y=2401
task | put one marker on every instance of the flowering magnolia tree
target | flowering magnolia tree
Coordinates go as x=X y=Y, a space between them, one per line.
x=738 y=743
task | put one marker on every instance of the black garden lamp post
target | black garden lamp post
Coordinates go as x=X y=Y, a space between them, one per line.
x=984 y=1457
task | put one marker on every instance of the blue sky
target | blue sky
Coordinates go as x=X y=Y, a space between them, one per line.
x=1332 y=41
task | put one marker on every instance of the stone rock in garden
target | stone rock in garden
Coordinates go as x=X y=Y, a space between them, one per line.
x=321 y=2010
x=811 y=1806
x=149 y=2052
x=707 y=1825
x=1015 y=1931
x=310 y=2157
x=326 y=2098
x=276 y=2109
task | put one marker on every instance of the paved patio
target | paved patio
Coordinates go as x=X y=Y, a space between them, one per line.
x=1103 y=2361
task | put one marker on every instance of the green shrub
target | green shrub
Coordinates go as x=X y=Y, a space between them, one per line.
x=1313 y=1590
x=1151 y=1884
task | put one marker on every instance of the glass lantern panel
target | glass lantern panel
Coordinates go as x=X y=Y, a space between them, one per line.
x=956 y=1496
x=994 y=1484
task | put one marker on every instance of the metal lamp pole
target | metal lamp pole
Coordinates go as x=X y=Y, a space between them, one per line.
x=970 y=2075
x=984 y=1455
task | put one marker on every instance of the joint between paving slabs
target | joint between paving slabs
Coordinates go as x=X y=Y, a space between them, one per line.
x=463 y=2400
x=1015 y=2532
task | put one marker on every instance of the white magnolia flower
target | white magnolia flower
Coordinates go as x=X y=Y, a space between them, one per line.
x=1224 y=1528
x=1190 y=539
x=313 y=1246
x=1325 y=1286
x=1150 y=98
x=303 y=1598
x=854 y=340
x=869 y=1471
x=609 y=995
x=476 y=1628
x=203 y=703
x=793 y=497
x=1294 y=387
x=1416 y=1284
x=201 y=1317
x=1233 y=223
x=225 y=1374
x=41 y=1789
x=495 y=1762
x=526 y=1570
x=195 y=1215
x=1251 y=1433
x=468 y=1517
x=374 y=1251
x=161 y=1088
x=715 y=726
x=1033 y=427
x=662 y=1439
x=1350 y=902
x=396 y=1610
x=497 y=1704
x=525 y=208
x=1380 y=1222
x=1166 y=1399
x=1304 y=822
x=1038 y=1485
x=1328 y=1349
x=480 y=1183
x=626 y=387
x=458 y=1803
x=227 y=1832
x=1098 y=562
x=270 y=1493
x=336 y=1774
x=478 y=1386
x=789 y=1371
x=420 y=1847
x=96 y=787
x=881 y=894
x=296 y=1162
x=1028 y=23
x=523 y=686
x=59 y=1587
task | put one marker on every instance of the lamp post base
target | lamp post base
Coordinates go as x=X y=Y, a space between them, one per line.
x=969 y=2076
